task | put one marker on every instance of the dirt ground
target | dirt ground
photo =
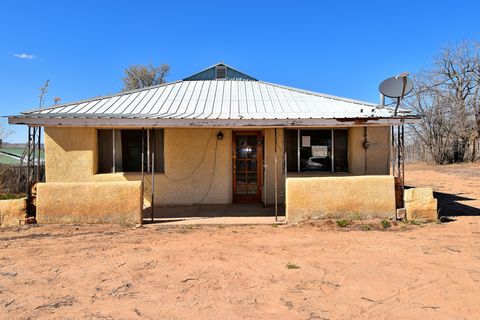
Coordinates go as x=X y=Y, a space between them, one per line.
x=314 y=270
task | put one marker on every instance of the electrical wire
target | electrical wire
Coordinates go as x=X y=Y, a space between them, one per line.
x=197 y=166
x=212 y=176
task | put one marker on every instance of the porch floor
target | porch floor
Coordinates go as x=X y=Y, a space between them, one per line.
x=215 y=214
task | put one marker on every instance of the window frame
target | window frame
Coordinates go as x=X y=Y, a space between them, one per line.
x=216 y=72
x=332 y=134
x=149 y=149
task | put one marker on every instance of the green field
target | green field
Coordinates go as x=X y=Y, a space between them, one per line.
x=4 y=159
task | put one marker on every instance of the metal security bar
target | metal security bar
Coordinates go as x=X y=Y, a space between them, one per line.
x=31 y=159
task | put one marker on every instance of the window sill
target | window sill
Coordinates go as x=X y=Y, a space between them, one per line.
x=127 y=173
x=316 y=174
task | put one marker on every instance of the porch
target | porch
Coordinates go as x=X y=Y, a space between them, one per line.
x=214 y=214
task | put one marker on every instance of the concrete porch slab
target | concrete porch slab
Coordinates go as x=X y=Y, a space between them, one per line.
x=228 y=214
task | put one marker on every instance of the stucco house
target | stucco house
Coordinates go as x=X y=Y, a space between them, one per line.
x=219 y=136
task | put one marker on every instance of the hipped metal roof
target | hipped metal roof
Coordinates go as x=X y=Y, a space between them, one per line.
x=232 y=103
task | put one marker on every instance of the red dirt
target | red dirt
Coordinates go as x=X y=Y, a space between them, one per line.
x=230 y=272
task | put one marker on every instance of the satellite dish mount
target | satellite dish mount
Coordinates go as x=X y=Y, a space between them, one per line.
x=396 y=88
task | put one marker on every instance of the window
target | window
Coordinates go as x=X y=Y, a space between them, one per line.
x=121 y=150
x=317 y=150
x=221 y=72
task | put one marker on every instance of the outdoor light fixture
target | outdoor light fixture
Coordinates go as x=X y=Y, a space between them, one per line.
x=220 y=136
x=366 y=144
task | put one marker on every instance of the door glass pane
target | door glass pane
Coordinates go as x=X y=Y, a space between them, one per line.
x=241 y=177
x=252 y=165
x=241 y=180
x=246 y=152
x=241 y=165
x=241 y=141
x=252 y=189
x=252 y=177
x=252 y=140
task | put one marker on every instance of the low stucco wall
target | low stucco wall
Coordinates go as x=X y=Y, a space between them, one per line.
x=356 y=197
x=420 y=204
x=90 y=202
x=12 y=211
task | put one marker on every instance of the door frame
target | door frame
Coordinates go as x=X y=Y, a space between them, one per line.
x=257 y=198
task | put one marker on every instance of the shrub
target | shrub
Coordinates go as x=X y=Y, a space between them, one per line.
x=292 y=266
x=366 y=227
x=385 y=224
x=9 y=196
x=343 y=223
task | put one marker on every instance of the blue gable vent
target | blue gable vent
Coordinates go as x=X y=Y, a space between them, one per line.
x=220 y=71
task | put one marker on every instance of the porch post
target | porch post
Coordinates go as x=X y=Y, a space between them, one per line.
x=27 y=187
x=265 y=172
x=298 y=150
x=276 y=178
x=114 y=151
x=143 y=163
x=153 y=174
x=39 y=148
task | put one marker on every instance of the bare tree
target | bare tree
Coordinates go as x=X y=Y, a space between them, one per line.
x=43 y=92
x=141 y=76
x=436 y=125
x=4 y=131
x=448 y=98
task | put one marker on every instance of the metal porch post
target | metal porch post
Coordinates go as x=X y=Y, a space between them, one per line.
x=276 y=178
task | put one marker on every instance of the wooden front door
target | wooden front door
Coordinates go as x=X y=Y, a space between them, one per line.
x=247 y=166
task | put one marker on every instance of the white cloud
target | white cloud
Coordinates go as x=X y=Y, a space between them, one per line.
x=25 y=56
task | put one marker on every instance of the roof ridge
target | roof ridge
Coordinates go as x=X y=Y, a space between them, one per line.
x=323 y=95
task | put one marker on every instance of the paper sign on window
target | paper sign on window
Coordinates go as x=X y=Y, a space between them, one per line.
x=320 y=151
x=305 y=141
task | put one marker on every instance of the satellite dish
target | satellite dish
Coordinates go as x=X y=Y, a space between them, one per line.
x=396 y=87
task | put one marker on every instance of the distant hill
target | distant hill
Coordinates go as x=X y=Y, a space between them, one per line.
x=13 y=145
x=11 y=153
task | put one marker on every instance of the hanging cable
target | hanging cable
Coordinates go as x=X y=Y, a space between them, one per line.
x=197 y=166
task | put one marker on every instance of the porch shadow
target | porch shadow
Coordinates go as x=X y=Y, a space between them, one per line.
x=453 y=205
x=220 y=213
x=449 y=205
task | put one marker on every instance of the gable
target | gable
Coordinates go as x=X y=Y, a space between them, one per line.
x=211 y=74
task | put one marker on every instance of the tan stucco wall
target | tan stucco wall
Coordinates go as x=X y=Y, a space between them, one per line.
x=269 y=155
x=377 y=155
x=358 y=197
x=189 y=164
x=88 y=202
x=70 y=154
x=12 y=211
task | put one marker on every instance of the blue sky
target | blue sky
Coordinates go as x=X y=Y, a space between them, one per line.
x=343 y=48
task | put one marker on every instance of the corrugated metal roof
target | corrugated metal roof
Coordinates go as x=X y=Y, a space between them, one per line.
x=217 y=99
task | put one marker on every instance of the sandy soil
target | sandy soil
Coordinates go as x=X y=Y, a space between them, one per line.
x=240 y=272
x=456 y=186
